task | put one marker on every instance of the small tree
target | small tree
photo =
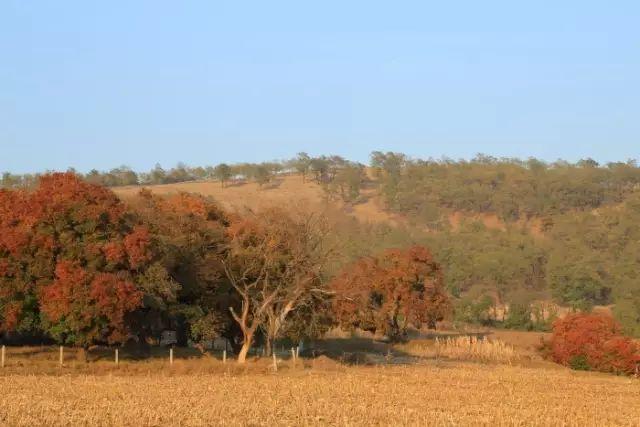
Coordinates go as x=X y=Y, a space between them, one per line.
x=223 y=173
x=390 y=292
x=263 y=174
x=302 y=163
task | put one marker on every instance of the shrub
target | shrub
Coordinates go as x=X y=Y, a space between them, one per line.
x=586 y=341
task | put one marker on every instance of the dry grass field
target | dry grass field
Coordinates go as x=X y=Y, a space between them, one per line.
x=284 y=191
x=456 y=382
x=434 y=394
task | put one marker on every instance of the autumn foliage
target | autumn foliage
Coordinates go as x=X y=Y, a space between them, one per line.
x=593 y=342
x=80 y=266
x=390 y=292
x=70 y=254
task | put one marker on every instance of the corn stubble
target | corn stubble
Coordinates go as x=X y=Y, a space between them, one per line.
x=451 y=393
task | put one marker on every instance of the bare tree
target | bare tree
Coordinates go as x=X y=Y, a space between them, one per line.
x=274 y=263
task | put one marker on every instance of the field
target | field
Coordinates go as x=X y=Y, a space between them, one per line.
x=444 y=394
x=421 y=383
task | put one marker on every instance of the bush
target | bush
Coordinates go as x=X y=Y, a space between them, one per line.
x=586 y=341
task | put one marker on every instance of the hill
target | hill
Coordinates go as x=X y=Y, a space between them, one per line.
x=285 y=190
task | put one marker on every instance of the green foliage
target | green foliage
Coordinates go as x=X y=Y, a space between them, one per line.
x=579 y=363
x=475 y=311
x=222 y=173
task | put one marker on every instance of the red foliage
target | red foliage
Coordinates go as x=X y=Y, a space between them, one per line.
x=69 y=287
x=136 y=245
x=113 y=298
x=113 y=252
x=594 y=339
x=389 y=292
x=57 y=243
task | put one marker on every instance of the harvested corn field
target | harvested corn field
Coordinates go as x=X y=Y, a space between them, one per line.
x=442 y=394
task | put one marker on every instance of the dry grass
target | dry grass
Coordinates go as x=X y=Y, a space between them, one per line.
x=472 y=348
x=463 y=348
x=450 y=394
x=284 y=191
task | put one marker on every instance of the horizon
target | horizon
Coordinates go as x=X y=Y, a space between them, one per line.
x=365 y=162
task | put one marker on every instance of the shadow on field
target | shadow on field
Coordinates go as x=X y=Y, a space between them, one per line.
x=360 y=351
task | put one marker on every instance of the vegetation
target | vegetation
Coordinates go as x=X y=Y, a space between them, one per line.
x=466 y=394
x=520 y=243
x=79 y=266
x=390 y=292
x=593 y=342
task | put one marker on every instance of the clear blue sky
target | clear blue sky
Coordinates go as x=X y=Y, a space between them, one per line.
x=100 y=84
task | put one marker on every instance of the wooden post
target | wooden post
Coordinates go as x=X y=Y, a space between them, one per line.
x=224 y=356
x=297 y=352
x=2 y=357
x=117 y=359
x=171 y=356
x=61 y=355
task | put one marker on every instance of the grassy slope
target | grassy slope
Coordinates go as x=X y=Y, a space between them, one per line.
x=289 y=190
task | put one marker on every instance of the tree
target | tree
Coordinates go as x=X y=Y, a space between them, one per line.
x=390 y=292
x=192 y=298
x=302 y=163
x=593 y=342
x=71 y=257
x=348 y=182
x=274 y=263
x=222 y=172
x=157 y=175
x=263 y=174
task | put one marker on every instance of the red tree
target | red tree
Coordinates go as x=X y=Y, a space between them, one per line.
x=390 y=292
x=593 y=342
x=70 y=254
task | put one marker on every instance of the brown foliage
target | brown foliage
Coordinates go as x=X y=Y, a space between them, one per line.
x=389 y=292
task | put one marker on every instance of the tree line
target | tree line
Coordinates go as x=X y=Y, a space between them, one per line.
x=569 y=231
x=339 y=177
x=81 y=267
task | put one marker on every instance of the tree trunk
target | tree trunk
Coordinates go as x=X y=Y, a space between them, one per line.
x=268 y=346
x=244 y=350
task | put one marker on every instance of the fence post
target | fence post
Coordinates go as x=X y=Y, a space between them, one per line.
x=224 y=356
x=3 y=351
x=275 y=362
x=117 y=359
x=61 y=355
x=171 y=356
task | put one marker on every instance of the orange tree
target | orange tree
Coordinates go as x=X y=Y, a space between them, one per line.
x=389 y=292
x=72 y=259
x=589 y=341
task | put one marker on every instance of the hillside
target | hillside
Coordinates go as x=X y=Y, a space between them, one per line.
x=291 y=190
x=507 y=233
x=284 y=191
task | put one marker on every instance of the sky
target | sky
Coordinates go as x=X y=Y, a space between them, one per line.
x=89 y=84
